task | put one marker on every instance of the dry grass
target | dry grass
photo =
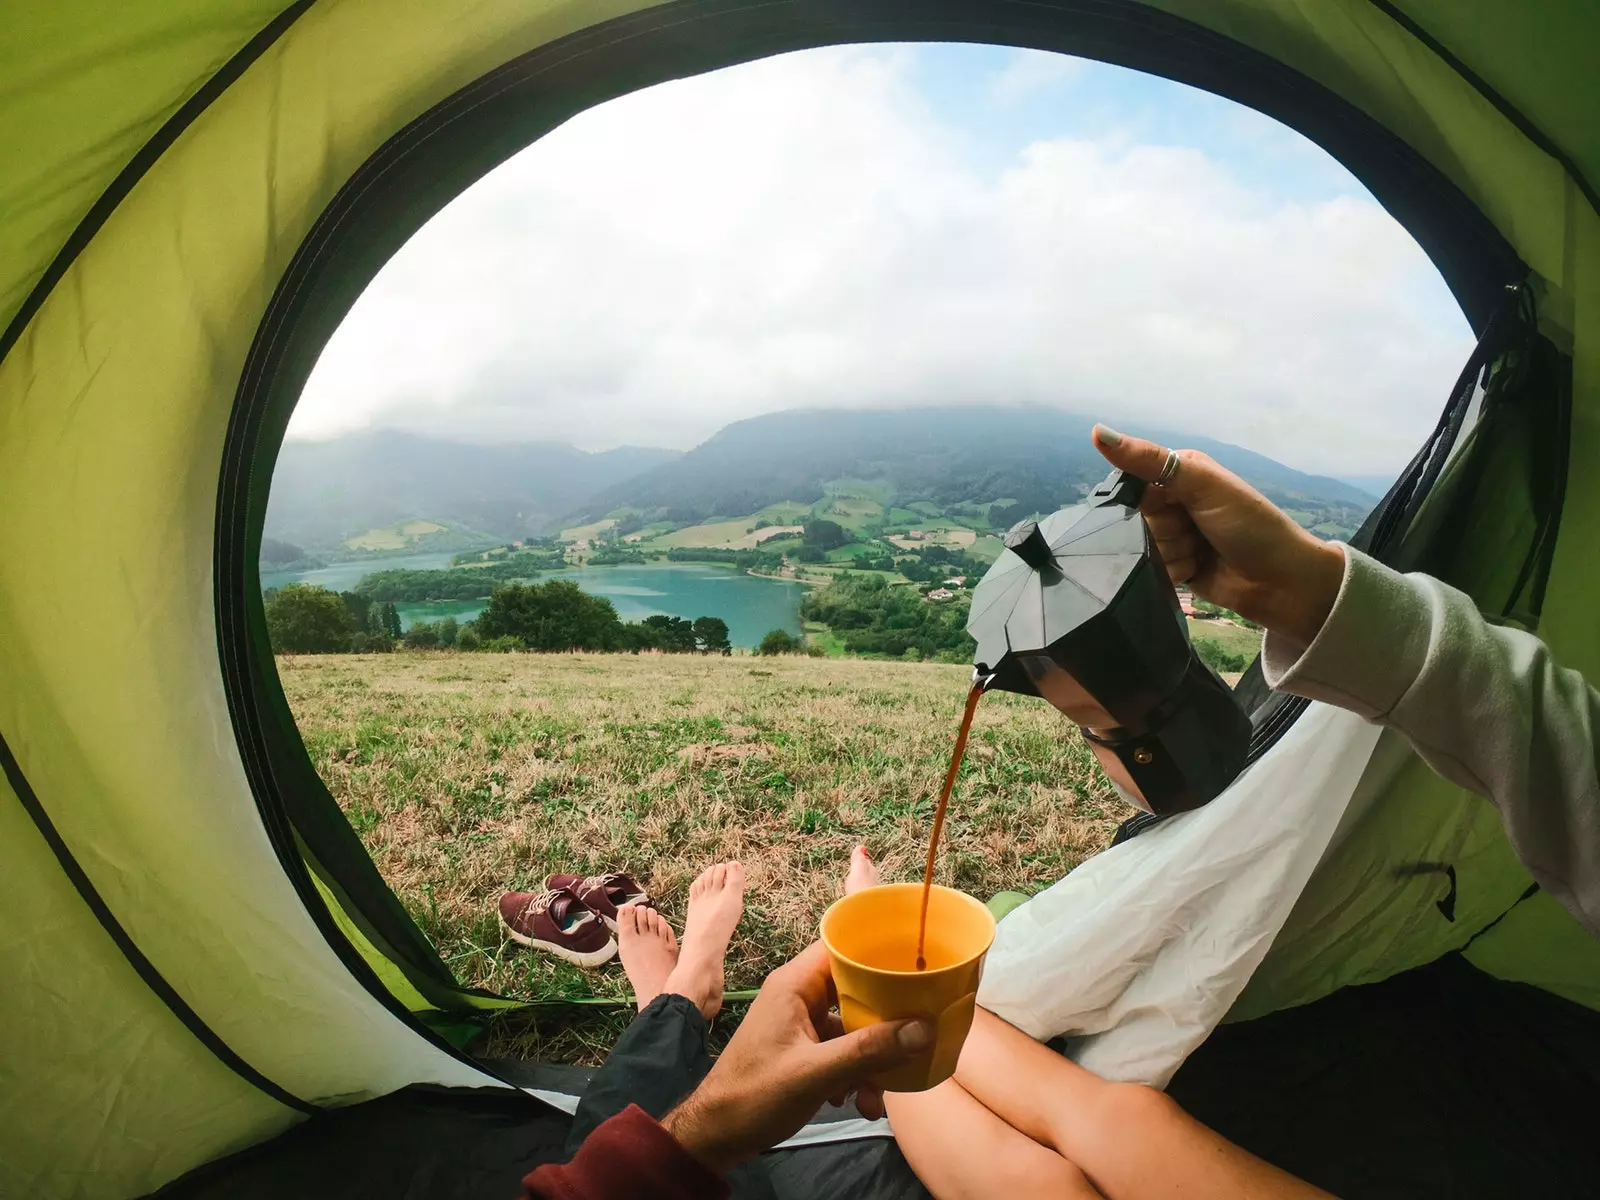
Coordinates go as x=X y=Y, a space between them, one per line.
x=466 y=775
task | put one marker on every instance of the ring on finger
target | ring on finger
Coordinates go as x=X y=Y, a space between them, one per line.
x=1168 y=469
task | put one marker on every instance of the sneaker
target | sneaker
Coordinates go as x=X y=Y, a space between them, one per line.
x=557 y=921
x=604 y=894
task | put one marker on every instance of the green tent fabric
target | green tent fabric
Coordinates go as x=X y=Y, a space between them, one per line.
x=191 y=195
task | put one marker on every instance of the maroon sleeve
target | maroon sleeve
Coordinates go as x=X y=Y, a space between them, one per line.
x=629 y=1157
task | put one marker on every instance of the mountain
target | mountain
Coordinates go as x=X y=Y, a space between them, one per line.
x=325 y=492
x=1376 y=486
x=1037 y=458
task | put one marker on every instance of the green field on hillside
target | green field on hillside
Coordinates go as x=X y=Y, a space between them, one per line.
x=582 y=533
x=394 y=537
x=466 y=775
x=1235 y=639
x=723 y=535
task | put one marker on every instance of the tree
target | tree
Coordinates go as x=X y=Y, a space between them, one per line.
x=551 y=616
x=467 y=638
x=273 y=551
x=873 y=618
x=302 y=619
x=825 y=535
x=711 y=635
x=391 y=620
x=422 y=633
x=779 y=641
x=658 y=632
x=362 y=618
x=449 y=631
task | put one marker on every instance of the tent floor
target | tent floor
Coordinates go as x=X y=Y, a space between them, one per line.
x=1441 y=1082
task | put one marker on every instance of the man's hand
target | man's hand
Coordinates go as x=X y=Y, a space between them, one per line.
x=1229 y=542
x=787 y=1057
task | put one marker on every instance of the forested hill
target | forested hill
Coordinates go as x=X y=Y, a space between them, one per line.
x=324 y=491
x=1035 y=457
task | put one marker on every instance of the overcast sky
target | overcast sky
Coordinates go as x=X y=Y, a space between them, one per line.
x=894 y=226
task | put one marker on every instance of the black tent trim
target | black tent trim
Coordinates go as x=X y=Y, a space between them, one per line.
x=153 y=979
x=141 y=162
x=437 y=155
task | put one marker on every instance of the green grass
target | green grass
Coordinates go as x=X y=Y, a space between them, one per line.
x=860 y=516
x=394 y=537
x=819 y=635
x=844 y=554
x=466 y=775
x=725 y=535
x=1235 y=639
x=986 y=548
x=582 y=533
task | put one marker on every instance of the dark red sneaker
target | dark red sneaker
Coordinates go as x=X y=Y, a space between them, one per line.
x=604 y=894
x=557 y=921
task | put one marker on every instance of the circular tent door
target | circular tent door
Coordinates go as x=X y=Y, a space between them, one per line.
x=448 y=147
x=195 y=194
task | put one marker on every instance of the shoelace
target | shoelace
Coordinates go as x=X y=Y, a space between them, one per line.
x=597 y=881
x=543 y=901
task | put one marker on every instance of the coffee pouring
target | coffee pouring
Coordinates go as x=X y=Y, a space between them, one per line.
x=1079 y=610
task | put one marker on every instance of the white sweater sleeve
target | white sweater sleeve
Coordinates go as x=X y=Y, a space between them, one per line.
x=1486 y=706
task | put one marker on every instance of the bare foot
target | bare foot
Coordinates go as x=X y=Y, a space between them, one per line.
x=863 y=872
x=648 y=950
x=716 y=899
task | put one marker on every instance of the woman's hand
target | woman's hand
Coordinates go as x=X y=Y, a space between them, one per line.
x=1229 y=542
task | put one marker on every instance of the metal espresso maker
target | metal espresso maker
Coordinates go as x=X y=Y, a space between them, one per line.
x=1079 y=610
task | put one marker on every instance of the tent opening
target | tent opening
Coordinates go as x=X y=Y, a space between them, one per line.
x=191 y=204
x=771 y=428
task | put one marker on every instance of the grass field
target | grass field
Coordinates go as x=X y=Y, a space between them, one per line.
x=723 y=535
x=466 y=775
x=939 y=533
x=1235 y=639
x=582 y=533
x=395 y=537
x=861 y=515
x=986 y=548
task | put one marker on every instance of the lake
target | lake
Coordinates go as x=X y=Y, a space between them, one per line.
x=751 y=606
x=343 y=577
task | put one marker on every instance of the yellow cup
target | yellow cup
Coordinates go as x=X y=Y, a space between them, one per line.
x=871 y=938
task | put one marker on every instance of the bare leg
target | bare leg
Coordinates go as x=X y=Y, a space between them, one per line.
x=1130 y=1141
x=962 y=1151
x=1017 y=1104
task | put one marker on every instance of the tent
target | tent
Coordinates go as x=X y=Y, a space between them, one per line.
x=206 y=984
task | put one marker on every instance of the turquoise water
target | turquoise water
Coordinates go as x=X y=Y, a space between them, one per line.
x=752 y=607
x=341 y=577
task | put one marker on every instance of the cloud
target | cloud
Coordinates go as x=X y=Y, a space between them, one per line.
x=803 y=231
x=1029 y=72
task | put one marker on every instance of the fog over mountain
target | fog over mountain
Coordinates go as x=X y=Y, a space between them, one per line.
x=324 y=492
